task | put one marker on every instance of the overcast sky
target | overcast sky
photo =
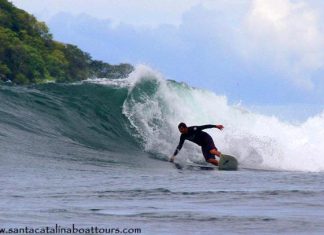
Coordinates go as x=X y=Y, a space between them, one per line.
x=255 y=51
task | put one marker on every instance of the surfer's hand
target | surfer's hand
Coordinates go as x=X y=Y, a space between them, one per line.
x=221 y=127
x=172 y=159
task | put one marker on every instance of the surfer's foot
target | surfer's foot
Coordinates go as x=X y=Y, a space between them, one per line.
x=213 y=161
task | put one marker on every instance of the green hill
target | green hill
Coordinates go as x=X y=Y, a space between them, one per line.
x=28 y=53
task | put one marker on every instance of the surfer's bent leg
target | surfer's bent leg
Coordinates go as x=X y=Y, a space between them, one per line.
x=209 y=151
x=215 y=152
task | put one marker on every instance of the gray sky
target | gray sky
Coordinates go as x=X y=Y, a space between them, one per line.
x=256 y=51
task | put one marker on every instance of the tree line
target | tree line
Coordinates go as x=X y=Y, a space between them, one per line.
x=28 y=53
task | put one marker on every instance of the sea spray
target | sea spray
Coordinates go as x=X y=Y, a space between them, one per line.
x=154 y=107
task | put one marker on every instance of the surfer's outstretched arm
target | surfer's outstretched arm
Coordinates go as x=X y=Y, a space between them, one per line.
x=210 y=126
x=182 y=139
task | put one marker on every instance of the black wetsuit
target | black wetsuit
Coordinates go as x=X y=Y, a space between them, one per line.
x=196 y=135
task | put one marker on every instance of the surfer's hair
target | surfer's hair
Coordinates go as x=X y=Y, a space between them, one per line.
x=182 y=125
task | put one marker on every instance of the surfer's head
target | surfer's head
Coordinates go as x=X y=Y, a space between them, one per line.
x=183 y=128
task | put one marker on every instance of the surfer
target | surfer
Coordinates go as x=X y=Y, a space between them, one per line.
x=196 y=135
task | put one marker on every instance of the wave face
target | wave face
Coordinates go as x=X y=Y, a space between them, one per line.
x=141 y=113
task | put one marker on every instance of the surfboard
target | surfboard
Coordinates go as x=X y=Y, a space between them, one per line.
x=201 y=167
x=227 y=163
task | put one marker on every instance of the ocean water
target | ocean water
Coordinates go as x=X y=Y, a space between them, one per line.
x=95 y=154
